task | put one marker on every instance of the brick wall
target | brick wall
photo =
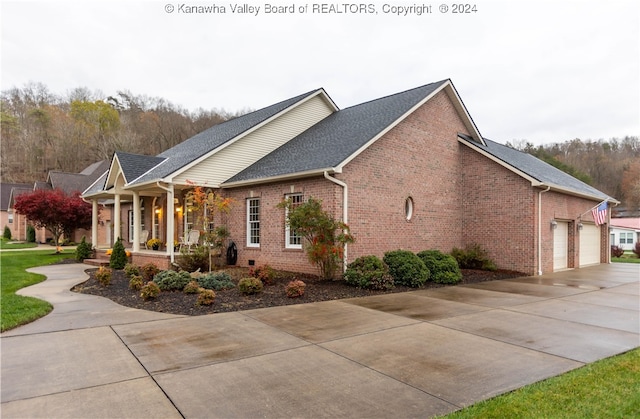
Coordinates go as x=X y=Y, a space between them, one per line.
x=500 y=212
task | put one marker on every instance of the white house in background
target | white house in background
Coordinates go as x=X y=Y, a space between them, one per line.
x=625 y=232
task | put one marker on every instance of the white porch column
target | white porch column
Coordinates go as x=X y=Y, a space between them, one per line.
x=94 y=223
x=136 y=221
x=170 y=222
x=116 y=217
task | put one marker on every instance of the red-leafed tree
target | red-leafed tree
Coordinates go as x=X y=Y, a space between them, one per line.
x=55 y=210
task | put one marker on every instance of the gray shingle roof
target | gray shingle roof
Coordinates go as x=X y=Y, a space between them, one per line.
x=135 y=165
x=186 y=152
x=337 y=137
x=5 y=192
x=537 y=169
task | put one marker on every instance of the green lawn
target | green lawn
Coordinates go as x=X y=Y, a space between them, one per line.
x=628 y=257
x=6 y=245
x=609 y=388
x=16 y=310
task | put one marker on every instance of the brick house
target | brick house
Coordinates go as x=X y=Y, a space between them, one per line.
x=69 y=183
x=409 y=170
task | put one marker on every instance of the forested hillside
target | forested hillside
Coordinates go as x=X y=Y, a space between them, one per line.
x=612 y=166
x=42 y=131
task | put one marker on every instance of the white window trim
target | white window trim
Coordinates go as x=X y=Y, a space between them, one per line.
x=287 y=228
x=249 y=222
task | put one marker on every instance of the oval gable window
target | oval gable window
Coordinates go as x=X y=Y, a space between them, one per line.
x=408 y=208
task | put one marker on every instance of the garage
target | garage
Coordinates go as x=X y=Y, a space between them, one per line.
x=560 y=245
x=589 y=245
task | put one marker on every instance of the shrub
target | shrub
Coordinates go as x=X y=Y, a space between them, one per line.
x=7 y=233
x=172 y=280
x=192 y=287
x=103 y=275
x=216 y=281
x=118 y=256
x=636 y=249
x=295 y=288
x=264 y=273
x=369 y=272
x=473 y=256
x=31 y=234
x=131 y=270
x=250 y=285
x=206 y=297
x=84 y=250
x=136 y=282
x=444 y=268
x=198 y=258
x=616 y=251
x=149 y=290
x=406 y=268
x=148 y=271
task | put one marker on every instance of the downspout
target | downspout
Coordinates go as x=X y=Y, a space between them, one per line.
x=540 y=229
x=345 y=211
x=169 y=219
x=609 y=233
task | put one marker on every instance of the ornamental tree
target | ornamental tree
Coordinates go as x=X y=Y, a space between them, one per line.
x=325 y=237
x=55 y=211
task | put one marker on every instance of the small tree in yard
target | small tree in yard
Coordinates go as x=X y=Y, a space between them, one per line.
x=118 y=257
x=55 y=210
x=324 y=236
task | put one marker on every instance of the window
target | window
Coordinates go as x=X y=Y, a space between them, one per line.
x=292 y=239
x=189 y=215
x=253 y=222
x=408 y=208
x=209 y=213
x=131 y=221
x=626 y=238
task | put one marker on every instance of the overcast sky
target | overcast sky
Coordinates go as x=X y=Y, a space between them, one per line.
x=542 y=71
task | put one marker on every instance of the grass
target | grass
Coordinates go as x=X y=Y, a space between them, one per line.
x=17 y=310
x=627 y=257
x=7 y=245
x=608 y=388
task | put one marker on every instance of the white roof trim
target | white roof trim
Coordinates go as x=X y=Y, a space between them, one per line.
x=451 y=93
x=278 y=178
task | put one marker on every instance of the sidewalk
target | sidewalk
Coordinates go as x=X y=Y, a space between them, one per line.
x=420 y=353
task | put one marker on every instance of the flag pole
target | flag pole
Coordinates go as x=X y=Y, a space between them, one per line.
x=591 y=209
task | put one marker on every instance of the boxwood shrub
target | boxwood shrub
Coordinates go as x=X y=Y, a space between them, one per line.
x=406 y=268
x=369 y=272
x=444 y=268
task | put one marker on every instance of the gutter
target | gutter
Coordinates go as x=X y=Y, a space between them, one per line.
x=540 y=229
x=345 y=211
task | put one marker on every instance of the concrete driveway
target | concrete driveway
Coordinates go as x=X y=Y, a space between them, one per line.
x=415 y=354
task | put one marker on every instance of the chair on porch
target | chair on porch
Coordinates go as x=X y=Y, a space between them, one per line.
x=190 y=239
x=144 y=236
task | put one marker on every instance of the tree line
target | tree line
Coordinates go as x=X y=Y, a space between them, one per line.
x=612 y=166
x=42 y=131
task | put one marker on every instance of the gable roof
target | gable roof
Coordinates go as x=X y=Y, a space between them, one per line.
x=337 y=139
x=538 y=172
x=5 y=193
x=201 y=144
x=632 y=223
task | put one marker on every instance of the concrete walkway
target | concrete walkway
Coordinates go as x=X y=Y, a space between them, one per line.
x=415 y=354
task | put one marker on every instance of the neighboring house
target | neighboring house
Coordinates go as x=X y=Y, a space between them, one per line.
x=406 y=171
x=625 y=232
x=7 y=217
x=69 y=183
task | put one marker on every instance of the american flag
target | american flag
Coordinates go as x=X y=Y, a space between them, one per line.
x=600 y=213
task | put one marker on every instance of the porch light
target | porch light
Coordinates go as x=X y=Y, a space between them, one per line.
x=554 y=224
x=580 y=226
x=157 y=210
x=179 y=209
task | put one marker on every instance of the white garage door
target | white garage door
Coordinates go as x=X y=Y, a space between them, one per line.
x=560 y=246
x=589 y=245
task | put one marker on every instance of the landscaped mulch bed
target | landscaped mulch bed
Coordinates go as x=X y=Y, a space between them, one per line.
x=232 y=300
